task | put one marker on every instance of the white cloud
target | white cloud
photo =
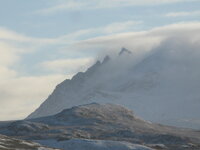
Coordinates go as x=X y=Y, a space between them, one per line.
x=7 y=54
x=183 y=14
x=6 y=34
x=6 y=73
x=113 y=28
x=67 y=65
x=13 y=45
x=22 y=95
x=60 y=7
x=13 y=38
x=141 y=42
x=119 y=26
x=98 y=4
x=9 y=35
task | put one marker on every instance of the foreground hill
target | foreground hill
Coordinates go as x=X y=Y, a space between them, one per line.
x=7 y=143
x=105 y=122
x=161 y=86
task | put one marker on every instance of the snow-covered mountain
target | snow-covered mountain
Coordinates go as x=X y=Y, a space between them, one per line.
x=161 y=86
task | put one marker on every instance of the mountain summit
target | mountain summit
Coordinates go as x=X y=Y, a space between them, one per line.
x=124 y=50
x=155 y=87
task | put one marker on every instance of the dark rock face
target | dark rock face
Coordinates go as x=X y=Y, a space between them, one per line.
x=124 y=50
x=102 y=122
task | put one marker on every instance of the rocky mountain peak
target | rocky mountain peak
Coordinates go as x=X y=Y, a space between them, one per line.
x=106 y=59
x=123 y=51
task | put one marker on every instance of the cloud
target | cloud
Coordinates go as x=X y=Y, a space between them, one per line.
x=119 y=26
x=12 y=36
x=140 y=42
x=22 y=95
x=183 y=14
x=60 y=7
x=8 y=55
x=6 y=34
x=17 y=39
x=6 y=73
x=14 y=45
x=69 y=66
x=112 y=28
x=100 y=4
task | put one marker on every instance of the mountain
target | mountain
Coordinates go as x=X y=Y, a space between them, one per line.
x=101 y=126
x=161 y=86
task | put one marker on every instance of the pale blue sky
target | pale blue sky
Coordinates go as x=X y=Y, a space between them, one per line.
x=40 y=40
x=24 y=17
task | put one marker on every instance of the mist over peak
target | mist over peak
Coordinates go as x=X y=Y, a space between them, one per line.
x=161 y=68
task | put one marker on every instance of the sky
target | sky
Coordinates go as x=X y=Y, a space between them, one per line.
x=44 y=42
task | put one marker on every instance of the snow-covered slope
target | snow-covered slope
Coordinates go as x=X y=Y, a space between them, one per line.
x=81 y=144
x=162 y=86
